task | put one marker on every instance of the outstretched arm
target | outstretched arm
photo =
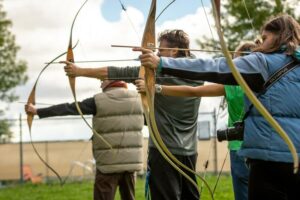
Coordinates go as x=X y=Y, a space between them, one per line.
x=73 y=70
x=211 y=90
x=87 y=106
x=252 y=67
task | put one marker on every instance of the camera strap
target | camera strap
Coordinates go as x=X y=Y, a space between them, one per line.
x=273 y=79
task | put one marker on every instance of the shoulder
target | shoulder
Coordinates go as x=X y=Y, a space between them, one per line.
x=278 y=58
x=116 y=93
x=265 y=59
x=98 y=94
x=120 y=92
x=275 y=61
x=255 y=58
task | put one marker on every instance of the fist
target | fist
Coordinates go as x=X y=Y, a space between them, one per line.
x=140 y=85
x=30 y=109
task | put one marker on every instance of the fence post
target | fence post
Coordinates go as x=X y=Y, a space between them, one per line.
x=215 y=142
x=21 y=149
x=47 y=160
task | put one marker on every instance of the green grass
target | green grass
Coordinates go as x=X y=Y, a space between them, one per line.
x=84 y=190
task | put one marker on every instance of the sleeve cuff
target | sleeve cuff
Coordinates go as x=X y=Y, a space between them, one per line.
x=159 y=67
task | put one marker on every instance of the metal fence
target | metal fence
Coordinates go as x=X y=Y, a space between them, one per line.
x=72 y=156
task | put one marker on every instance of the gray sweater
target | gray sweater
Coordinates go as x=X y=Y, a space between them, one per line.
x=176 y=117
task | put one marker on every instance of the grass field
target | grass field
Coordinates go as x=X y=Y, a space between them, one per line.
x=84 y=190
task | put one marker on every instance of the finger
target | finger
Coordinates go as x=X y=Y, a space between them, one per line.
x=146 y=56
x=141 y=91
x=143 y=50
x=140 y=86
x=65 y=62
x=70 y=75
x=147 y=64
x=138 y=81
x=68 y=70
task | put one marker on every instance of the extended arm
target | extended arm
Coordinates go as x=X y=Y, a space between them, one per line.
x=87 y=106
x=73 y=70
x=211 y=90
x=128 y=74
x=252 y=67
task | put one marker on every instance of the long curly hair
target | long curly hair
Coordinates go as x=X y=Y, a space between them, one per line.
x=287 y=34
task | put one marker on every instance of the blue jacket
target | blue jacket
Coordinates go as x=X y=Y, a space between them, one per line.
x=282 y=100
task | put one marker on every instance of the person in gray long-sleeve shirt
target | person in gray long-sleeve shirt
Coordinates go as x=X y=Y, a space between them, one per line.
x=176 y=118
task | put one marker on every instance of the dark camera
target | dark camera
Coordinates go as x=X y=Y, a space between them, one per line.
x=233 y=133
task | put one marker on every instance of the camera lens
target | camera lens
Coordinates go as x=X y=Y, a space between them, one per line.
x=232 y=133
x=222 y=135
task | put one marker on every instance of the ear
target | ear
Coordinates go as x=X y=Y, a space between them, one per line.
x=174 y=53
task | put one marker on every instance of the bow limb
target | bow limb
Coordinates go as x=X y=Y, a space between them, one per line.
x=145 y=73
x=31 y=98
x=165 y=8
x=30 y=117
x=240 y=80
x=70 y=54
x=72 y=80
x=148 y=104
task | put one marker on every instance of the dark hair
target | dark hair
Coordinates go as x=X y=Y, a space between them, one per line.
x=287 y=33
x=176 y=39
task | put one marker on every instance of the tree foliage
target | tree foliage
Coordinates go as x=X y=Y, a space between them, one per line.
x=12 y=70
x=5 y=132
x=238 y=26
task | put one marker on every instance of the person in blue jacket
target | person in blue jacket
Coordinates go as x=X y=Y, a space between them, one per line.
x=270 y=161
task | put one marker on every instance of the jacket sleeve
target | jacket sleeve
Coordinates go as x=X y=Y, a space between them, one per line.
x=253 y=68
x=127 y=74
x=87 y=107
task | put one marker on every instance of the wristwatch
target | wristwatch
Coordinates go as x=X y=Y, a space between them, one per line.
x=158 y=88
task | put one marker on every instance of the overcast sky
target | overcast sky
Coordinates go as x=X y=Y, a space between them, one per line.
x=42 y=31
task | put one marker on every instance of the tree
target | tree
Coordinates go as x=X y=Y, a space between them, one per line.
x=12 y=71
x=237 y=26
x=5 y=133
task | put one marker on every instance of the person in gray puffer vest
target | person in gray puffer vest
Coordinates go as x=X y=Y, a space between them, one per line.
x=118 y=117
